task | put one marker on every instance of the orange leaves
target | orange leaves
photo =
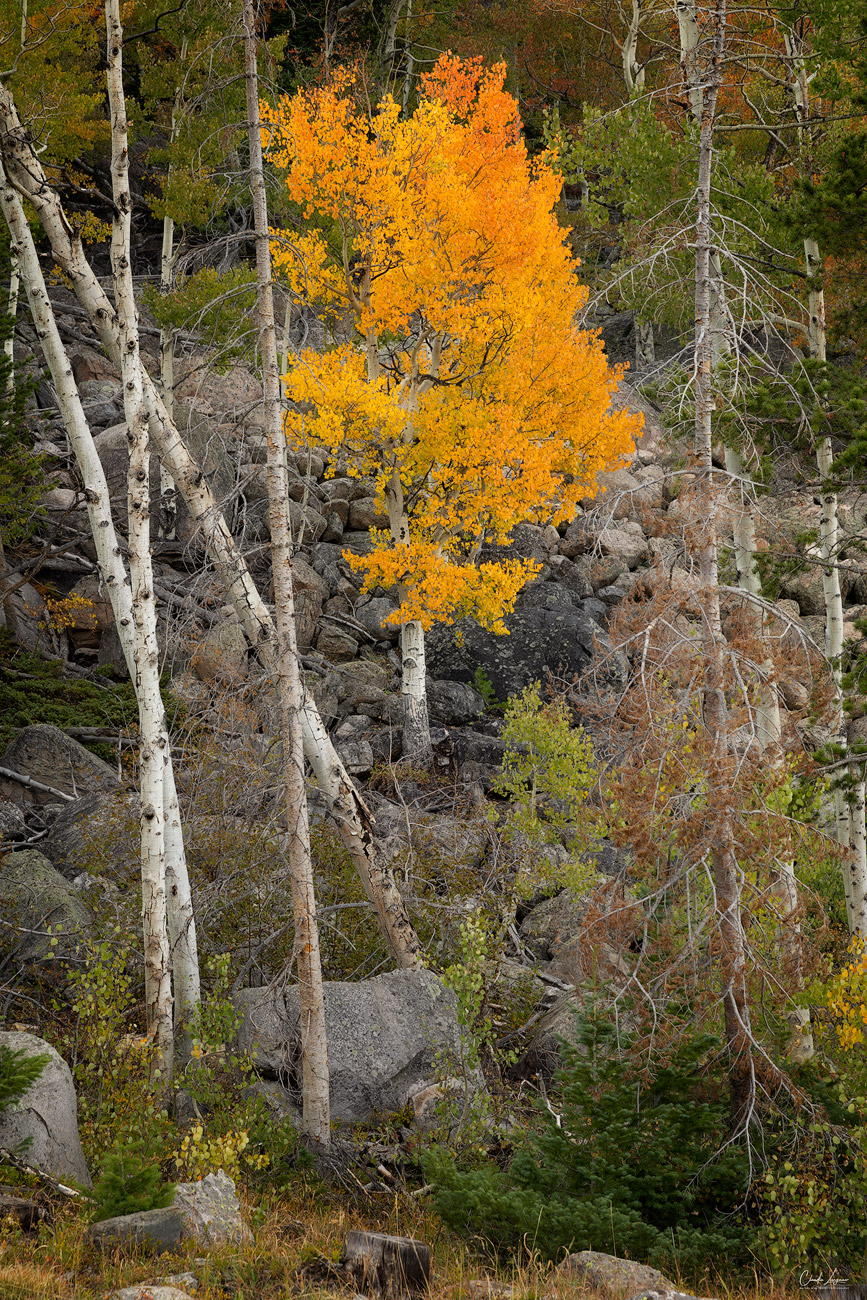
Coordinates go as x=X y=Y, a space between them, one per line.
x=466 y=391
x=438 y=588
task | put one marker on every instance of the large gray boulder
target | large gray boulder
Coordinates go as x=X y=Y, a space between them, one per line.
x=47 y=920
x=561 y=640
x=47 y=1115
x=386 y=1036
x=50 y=756
x=156 y=1230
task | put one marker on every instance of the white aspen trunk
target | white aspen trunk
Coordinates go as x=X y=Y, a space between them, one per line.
x=316 y=1120
x=154 y=749
x=416 y=729
x=856 y=895
x=417 y=748
x=633 y=74
x=388 y=45
x=687 y=22
x=182 y=928
x=12 y=309
x=849 y=814
x=850 y=833
x=168 y=491
x=408 y=71
x=351 y=816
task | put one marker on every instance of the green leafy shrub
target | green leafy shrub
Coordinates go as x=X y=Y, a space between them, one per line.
x=487 y=690
x=129 y=1182
x=634 y=1168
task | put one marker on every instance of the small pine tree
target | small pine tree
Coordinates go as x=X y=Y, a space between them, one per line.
x=130 y=1182
x=18 y=1072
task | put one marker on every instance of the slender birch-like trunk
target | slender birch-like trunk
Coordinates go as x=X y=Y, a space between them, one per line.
x=12 y=311
x=168 y=257
x=316 y=1121
x=168 y=491
x=849 y=814
x=633 y=72
x=349 y=812
x=181 y=923
x=154 y=749
x=417 y=748
x=732 y=957
x=767 y=712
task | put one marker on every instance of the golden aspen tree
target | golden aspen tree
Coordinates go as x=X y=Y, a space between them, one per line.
x=463 y=385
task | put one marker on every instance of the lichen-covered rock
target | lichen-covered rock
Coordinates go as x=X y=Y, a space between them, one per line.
x=613 y=1278
x=48 y=755
x=211 y=1210
x=47 y=1115
x=47 y=919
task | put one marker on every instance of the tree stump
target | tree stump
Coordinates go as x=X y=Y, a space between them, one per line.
x=391 y=1268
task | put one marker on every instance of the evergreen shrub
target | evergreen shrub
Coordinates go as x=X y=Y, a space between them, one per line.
x=638 y=1166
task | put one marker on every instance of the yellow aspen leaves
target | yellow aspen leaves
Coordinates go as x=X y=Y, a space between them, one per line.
x=457 y=377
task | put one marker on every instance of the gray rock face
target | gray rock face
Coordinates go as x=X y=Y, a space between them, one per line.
x=612 y=1277
x=12 y=823
x=66 y=846
x=145 y=1291
x=370 y=612
x=454 y=703
x=40 y=906
x=49 y=755
x=671 y=1295
x=47 y=1114
x=211 y=1211
x=221 y=655
x=539 y=639
x=386 y=1036
x=554 y=922
x=160 y=1230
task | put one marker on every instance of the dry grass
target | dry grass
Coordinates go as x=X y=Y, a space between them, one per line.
x=295 y=1239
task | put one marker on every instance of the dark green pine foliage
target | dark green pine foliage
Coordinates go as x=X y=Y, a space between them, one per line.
x=638 y=1166
x=19 y=1070
x=130 y=1182
x=21 y=484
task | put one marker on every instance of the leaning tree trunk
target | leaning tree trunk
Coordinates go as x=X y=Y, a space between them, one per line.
x=154 y=749
x=181 y=923
x=349 y=812
x=316 y=1120
x=168 y=256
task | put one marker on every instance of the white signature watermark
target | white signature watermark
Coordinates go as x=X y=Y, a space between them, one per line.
x=808 y=1279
